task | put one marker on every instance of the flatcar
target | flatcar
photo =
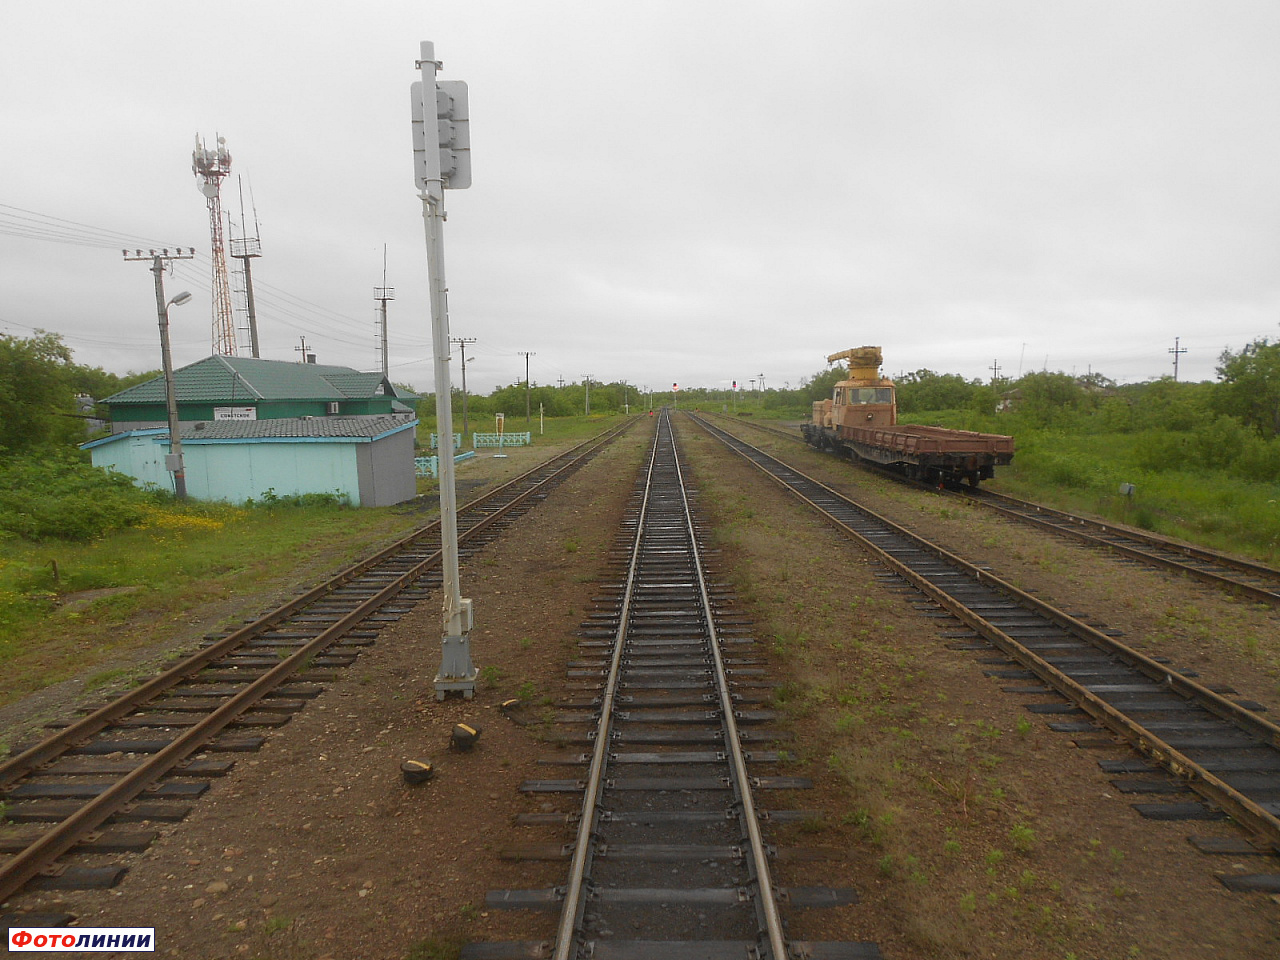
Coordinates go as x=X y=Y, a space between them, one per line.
x=861 y=421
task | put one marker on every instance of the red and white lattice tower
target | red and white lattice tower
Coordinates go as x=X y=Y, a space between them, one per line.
x=210 y=166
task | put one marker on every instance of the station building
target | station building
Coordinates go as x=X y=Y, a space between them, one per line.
x=251 y=426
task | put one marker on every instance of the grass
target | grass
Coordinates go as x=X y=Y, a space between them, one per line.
x=72 y=607
x=1083 y=473
x=141 y=585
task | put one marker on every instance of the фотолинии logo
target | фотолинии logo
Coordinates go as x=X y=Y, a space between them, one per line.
x=82 y=939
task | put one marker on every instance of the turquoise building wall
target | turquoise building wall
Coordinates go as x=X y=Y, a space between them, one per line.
x=245 y=470
x=238 y=470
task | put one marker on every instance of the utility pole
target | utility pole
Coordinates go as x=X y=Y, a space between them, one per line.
x=442 y=161
x=995 y=372
x=526 y=354
x=462 y=344
x=382 y=294
x=244 y=249
x=173 y=462
x=306 y=357
x=1177 y=350
x=587 y=380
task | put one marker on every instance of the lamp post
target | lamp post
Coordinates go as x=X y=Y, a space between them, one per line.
x=174 y=461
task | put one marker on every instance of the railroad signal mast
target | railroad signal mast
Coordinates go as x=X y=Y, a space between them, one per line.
x=442 y=161
x=210 y=167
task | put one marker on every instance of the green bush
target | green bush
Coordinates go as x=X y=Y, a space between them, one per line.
x=57 y=497
x=272 y=500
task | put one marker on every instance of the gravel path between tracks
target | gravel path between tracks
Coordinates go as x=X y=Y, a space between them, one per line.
x=969 y=829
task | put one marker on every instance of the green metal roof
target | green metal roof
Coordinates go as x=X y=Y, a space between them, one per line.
x=231 y=379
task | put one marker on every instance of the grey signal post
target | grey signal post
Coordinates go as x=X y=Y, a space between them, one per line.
x=442 y=161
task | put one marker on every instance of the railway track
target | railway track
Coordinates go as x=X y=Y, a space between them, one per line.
x=1190 y=737
x=143 y=757
x=669 y=857
x=1243 y=578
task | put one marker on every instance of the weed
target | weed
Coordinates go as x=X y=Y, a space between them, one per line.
x=275 y=924
x=951 y=848
x=993 y=859
x=525 y=643
x=572 y=546
x=527 y=691
x=1023 y=726
x=856 y=818
x=886 y=865
x=490 y=675
x=987 y=730
x=1022 y=837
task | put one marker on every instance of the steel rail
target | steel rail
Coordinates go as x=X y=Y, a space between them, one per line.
x=1251 y=815
x=766 y=900
x=60 y=838
x=575 y=901
x=1097 y=533
x=19 y=869
x=52 y=746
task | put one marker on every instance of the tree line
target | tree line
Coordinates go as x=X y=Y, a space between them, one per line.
x=39 y=387
x=40 y=383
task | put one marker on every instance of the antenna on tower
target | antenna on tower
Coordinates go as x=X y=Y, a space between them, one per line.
x=245 y=249
x=382 y=294
x=210 y=166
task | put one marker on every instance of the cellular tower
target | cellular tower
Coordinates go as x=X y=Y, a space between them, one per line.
x=210 y=166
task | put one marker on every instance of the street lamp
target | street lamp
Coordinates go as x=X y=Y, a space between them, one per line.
x=173 y=462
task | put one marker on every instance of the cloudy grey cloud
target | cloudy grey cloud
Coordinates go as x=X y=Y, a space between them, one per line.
x=696 y=191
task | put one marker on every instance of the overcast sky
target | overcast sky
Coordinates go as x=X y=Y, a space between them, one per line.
x=689 y=191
